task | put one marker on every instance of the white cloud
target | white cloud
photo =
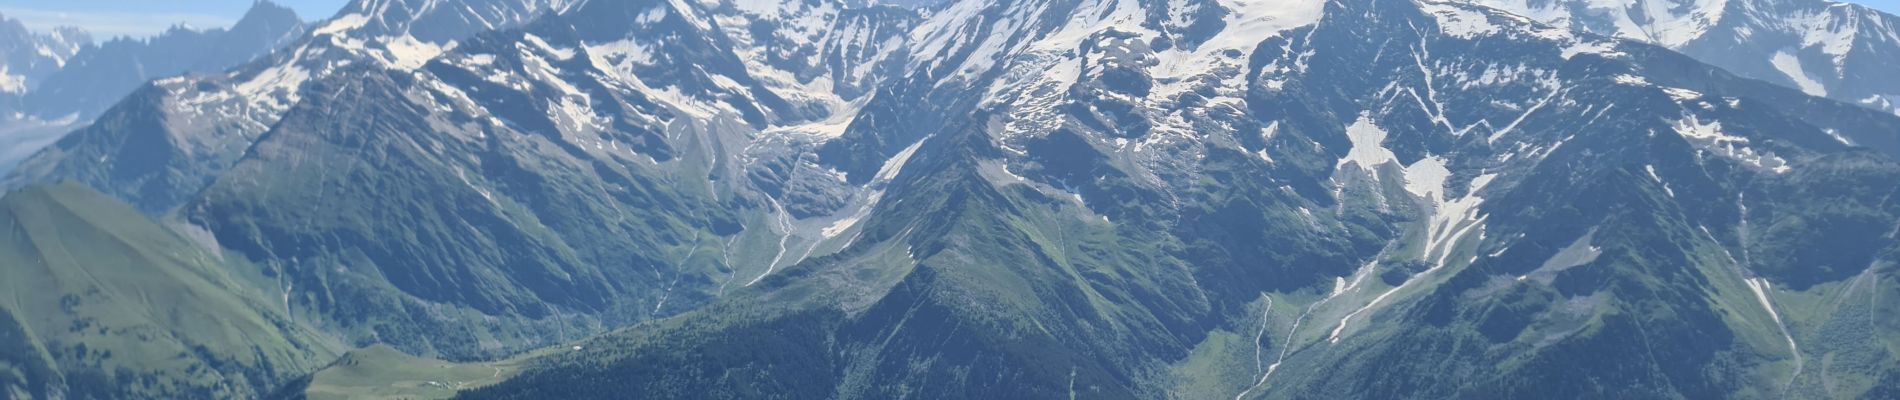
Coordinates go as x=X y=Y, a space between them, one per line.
x=105 y=25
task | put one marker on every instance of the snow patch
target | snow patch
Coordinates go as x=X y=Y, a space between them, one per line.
x=1461 y=22
x=1827 y=32
x=563 y=53
x=1681 y=95
x=619 y=61
x=1368 y=145
x=650 y=16
x=1762 y=290
x=896 y=163
x=1671 y=23
x=688 y=13
x=1709 y=137
x=885 y=173
x=1600 y=47
x=1451 y=223
x=1836 y=134
x=407 y=53
x=280 y=80
x=1658 y=178
x=614 y=55
x=342 y=23
x=1426 y=177
x=479 y=60
x=1791 y=66
x=1248 y=23
x=10 y=83
x=831 y=127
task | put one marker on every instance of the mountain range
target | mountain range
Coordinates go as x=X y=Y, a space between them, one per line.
x=1837 y=50
x=988 y=199
x=67 y=79
x=30 y=57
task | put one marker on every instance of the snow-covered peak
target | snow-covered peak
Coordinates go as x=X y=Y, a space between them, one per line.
x=404 y=34
x=1671 y=23
x=1187 y=40
x=26 y=57
x=438 y=21
x=1821 y=47
x=395 y=34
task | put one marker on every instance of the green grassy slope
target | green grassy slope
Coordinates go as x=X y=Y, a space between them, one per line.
x=382 y=372
x=448 y=247
x=106 y=303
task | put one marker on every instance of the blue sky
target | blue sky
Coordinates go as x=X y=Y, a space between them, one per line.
x=1890 y=6
x=110 y=18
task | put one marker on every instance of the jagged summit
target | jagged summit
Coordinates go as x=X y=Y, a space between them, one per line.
x=1824 y=48
x=1039 y=198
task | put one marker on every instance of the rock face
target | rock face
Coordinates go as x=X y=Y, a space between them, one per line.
x=28 y=57
x=98 y=76
x=1040 y=198
x=1305 y=199
x=72 y=80
x=1837 y=50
